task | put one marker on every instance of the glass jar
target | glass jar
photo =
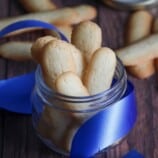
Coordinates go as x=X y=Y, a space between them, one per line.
x=131 y=4
x=55 y=123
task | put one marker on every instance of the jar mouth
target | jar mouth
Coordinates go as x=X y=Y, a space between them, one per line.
x=111 y=95
x=131 y=4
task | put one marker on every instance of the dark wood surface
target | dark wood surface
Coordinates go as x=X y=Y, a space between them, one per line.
x=17 y=138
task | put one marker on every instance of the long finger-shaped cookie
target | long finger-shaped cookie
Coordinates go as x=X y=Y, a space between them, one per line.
x=38 y=6
x=63 y=16
x=37 y=50
x=100 y=71
x=134 y=33
x=70 y=84
x=38 y=45
x=145 y=49
x=85 y=12
x=134 y=30
x=56 y=59
x=18 y=51
x=87 y=37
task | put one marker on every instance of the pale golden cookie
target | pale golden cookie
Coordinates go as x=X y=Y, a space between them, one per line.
x=87 y=37
x=17 y=50
x=37 y=47
x=38 y=5
x=56 y=59
x=100 y=71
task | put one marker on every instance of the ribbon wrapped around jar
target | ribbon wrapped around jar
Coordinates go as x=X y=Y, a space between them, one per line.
x=110 y=118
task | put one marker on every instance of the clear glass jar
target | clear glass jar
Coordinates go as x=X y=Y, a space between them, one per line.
x=131 y=4
x=55 y=123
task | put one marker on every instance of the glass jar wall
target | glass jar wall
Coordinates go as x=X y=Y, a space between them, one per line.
x=56 y=117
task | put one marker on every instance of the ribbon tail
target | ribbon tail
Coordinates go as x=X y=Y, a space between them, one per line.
x=15 y=93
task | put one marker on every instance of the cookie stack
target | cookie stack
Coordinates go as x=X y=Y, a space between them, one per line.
x=77 y=69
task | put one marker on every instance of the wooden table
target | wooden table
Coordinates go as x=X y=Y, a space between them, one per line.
x=17 y=138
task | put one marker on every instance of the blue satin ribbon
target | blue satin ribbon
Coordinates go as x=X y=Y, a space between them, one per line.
x=106 y=128
x=15 y=93
x=133 y=154
x=24 y=24
x=99 y=132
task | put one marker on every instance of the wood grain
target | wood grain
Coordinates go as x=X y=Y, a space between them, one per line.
x=17 y=137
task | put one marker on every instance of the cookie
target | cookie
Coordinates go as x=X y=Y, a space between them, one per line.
x=37 y=47
x=87 y=37
x=100 y=71
x=16 y=50
x=38 y=6
x=56 y=59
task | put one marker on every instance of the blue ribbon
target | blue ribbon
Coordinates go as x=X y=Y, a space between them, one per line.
x=24 y=24
x=15 y=93
x=133 y=154
x=106 y=127
x=96 y=134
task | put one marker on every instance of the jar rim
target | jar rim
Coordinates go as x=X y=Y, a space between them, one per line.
x=130 y=5
x=114 y=87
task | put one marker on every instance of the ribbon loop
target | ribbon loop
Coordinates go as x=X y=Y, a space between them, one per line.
x=17 y=98
x=29 y=24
